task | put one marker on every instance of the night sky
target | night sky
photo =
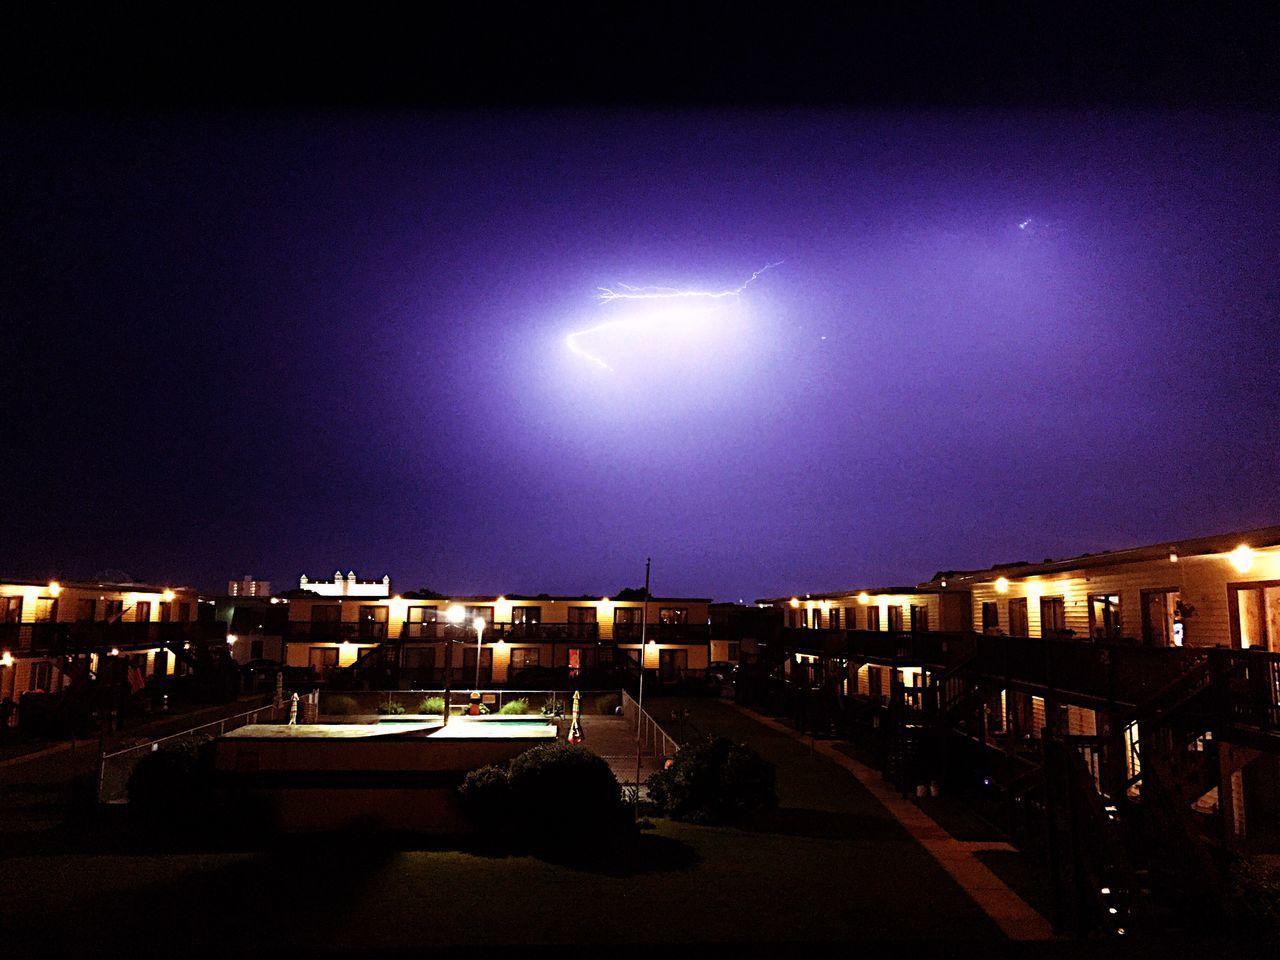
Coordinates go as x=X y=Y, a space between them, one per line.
x=280 y=342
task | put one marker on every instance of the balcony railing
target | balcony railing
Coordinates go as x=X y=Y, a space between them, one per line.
x=87 y=636
x=375 y=632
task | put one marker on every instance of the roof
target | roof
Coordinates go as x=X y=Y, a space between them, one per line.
x=119 y=587
x=1217 y=543
x=869 y=591
x=516 y=598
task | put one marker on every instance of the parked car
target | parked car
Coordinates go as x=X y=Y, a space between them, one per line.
x=721 y=676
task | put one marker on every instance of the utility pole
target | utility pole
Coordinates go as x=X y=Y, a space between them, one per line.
x=644 y=627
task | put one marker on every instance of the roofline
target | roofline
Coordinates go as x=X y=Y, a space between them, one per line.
x=124 y=587
x=869 y=591
x=511 y=598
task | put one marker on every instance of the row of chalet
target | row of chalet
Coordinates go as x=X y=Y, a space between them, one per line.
x=54 y=634
x=1205 y=592
x=411 y=635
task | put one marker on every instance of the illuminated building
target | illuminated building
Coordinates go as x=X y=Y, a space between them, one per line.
x=403 y=638
x=248 y=587
x=53 y=633
x=347 y=586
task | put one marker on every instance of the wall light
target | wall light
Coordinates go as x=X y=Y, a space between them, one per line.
x=1173 y=556
x=168 y=596
x=1002 y=585
x=456 y=614
x=55 y=588
x=231 y=639
x=864 y=598
x=115 y=652
x=6 y=659
x=1242 y=558
x=795 y=601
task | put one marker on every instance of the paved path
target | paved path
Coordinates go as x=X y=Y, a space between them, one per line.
x=614 y=738
x=1013 y=915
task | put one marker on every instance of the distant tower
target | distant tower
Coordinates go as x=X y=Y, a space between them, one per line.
x=249 y=587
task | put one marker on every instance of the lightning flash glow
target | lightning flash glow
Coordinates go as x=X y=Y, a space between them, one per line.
x=694 y=306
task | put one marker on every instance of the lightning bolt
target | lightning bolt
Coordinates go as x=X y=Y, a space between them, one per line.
x=625 y=291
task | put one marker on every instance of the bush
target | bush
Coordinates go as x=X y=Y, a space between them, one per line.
x=1254 y=892
x=340 y=706
x=608 y=704
x=514 y=706
x=713 y=780
x=165 y=787
x=557 y=798
x=432 y=705
x=392 y=708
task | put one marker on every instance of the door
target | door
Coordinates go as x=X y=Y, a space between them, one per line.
x=1255 y=615
x=469 y=665
x=1018 y=626
x=1053 y=618
x=1104 y=616
x=873 y=618
x=1159 y=613
x=626 y=623
x=672 y=664
x=422 y=623
x=895 y=619
x=373 y=623
x=525 y=620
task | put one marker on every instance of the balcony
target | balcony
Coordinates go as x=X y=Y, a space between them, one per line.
x=374 y=632
x=662 y=633
x=88 y=636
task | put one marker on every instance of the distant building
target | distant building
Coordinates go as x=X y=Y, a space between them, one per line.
x=248 y=587
x=347 y=586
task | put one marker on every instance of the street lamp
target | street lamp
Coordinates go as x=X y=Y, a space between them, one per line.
x=455 y=615
x=478 y=623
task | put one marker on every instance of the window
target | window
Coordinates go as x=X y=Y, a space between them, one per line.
x=46 y=609
x=420 y=658
x=255 y=649
x=325 y=618
x=850 y=617
x=84 y=610
x=469 y=661
x=919 y=619
x=525 y=620
x=626 y=623
x=1104 y=616
x=835 y=618
x=735 y=651
x=672 y=664
x=895 y=619
x=10 y=609
x=1254 y=609
x=323 y=660
x=815 y=618
x=41 y=673
x=184 y=612
x=673 y=616
x=373 y=623
x=990 y=617
x=422 y=622
x=166 y=611
x=582 y=622
x=873 y=618
x=1053 y=618
x=1018 y=626
x=522 y=658
x=112 y=610
x=485 y=613
x=142 y=611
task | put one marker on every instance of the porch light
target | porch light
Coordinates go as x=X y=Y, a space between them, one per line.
x=231 y=639
x=6 y=659
x=864 y=598
x=115 y=652
x=1002 y=585
x=55 y=588
x=168 y=596
x=1173 y=556
x=456 y=614
x=795 y=601
x=1242 y=558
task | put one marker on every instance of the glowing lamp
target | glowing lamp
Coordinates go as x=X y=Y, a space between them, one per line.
x=55 y=588
x=6 y=659
x=456 y=614
x=478 y=623
x=795 y=601
x=168 y=596
x=115 y=652
x=231 y=639
x=864 y=598
x=1002 y=585
x=1242 y=558
x=1173 y=556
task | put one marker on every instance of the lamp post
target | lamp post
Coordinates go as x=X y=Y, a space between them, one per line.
x=455 y=615
x=478 y=623
x=644 y=625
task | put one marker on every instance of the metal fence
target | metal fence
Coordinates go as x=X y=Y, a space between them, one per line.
x=116 y=767
x=653 y=739
x=357 y=705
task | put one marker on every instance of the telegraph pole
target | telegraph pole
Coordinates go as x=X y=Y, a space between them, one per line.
x=644 y=627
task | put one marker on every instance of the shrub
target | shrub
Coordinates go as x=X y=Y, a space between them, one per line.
x=340 y=706
x=607 y=704
x=164 y=787
x=1254 y=892
x=514 y=706
x=392 y=708
x=431 y=705
x=713 y=780
x=556 y=797
x=565 y=796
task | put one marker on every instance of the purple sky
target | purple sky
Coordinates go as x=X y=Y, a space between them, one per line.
x=282 y=344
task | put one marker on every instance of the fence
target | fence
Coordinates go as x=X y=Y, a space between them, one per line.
x=359 y=704
x=115 y=768
x=653 y=739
